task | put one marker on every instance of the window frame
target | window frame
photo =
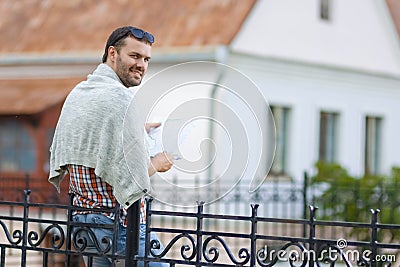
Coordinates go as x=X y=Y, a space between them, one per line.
x=372 y=148
x=23 y=144
x=325 y=10
x=328 y=136
x=282 y=141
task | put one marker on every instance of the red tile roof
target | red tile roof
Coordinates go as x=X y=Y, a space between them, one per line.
x=394 y=8
x=62 y=26
x=32 y=96
x=84 y=25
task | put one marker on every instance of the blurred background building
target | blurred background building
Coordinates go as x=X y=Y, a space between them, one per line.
x=329 y=69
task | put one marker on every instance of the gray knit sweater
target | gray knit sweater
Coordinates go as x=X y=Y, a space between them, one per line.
x=92 y=132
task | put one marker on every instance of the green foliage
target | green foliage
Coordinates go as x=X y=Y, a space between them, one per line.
x=346 y=198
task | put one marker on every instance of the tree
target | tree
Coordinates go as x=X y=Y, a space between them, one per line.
x=347 y=198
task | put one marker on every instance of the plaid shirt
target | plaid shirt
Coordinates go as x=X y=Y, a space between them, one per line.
x=91 y=192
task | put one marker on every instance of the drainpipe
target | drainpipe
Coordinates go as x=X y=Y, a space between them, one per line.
x=221 y=55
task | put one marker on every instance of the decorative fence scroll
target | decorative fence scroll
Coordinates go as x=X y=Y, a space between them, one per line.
x=205 y=240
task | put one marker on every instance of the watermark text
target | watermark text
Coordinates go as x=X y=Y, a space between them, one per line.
x=332 y=254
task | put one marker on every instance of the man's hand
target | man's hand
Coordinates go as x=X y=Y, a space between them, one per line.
x=161 y=162
x=150 y=125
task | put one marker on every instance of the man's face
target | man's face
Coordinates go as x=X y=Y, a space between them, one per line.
x=132 y=61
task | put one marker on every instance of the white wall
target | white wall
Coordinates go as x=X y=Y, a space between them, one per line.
x=349 y=65
x=308 y=89
x=181 y=93
x=360 y=35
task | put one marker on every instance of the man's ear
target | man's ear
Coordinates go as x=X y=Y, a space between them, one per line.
x=112 y=53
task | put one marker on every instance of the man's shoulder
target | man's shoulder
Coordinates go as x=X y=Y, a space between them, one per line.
x=102 y=89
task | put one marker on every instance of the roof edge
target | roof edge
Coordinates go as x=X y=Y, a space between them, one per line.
x=216 y=53
x=160 y=55
x=393 y=76
x=48 y=58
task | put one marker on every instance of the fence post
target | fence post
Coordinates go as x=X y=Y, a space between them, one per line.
x=149 y=201
x=312 y=236
x=374 y=233
x=132 y=234
x=199 y=234
x=253 y=253
x=305 y=200
x=27 y=180
x=25 y=227
x=68 y=240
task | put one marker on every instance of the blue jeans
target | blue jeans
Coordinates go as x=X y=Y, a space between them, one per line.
x=121 y=240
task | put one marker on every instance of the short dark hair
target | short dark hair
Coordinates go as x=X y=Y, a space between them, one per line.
x=117 y=39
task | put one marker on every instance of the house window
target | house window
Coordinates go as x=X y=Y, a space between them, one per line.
x=17 y=149
x=324 y=9
x=328 y=136
x=281 y=117
x=372 y=144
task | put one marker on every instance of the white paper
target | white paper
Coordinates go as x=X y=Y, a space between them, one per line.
x=169 y=136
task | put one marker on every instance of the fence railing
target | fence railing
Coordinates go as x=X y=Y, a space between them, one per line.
x=31 y=229
x=44 y=192
x=201 y=246
x=195 y=238
x=280 y=198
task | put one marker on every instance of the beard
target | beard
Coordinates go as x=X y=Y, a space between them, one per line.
x=124 y=72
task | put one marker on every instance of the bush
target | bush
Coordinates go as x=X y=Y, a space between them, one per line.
x=348 y=198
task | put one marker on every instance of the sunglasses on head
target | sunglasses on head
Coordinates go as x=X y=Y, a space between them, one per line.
x=139 y=34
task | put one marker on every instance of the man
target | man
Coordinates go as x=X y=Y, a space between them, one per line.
x=89 y=140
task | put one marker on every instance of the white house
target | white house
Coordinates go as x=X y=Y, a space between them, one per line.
x=330 y=71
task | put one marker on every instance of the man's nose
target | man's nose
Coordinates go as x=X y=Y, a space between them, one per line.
x=141 y=63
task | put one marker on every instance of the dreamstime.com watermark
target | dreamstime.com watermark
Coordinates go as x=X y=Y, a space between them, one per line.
x=332 y=254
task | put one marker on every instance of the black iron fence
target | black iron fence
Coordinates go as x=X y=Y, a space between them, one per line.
x=44 y=192
x=37 y=234
x=254 y=245
x=45 y=232
x=280 y=198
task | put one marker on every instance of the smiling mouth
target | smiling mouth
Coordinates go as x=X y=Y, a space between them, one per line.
x=137 y=73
